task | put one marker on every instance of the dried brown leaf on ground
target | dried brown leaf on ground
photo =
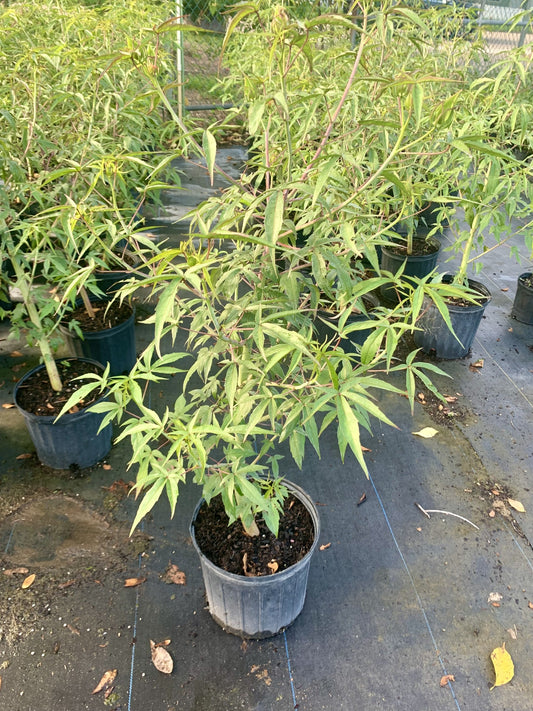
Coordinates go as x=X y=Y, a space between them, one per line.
x=446 y=678
x=503 y=666
x=362 y=499
x=494 y=597
x=8 y=405
x=426 y=432
x=161 y=659
x=26 y=455
x=16 y=354
x=107 y=679
x=325 y=546
x=173 y=575
x=16 y=571
x=28 y=581
x=133 y=582
x=530 y=605
x=516 y=505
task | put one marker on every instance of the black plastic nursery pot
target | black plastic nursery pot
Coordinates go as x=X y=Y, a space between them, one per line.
x=115 y=345
x=325 y=330
x=72 y=441
x=523 y=301
x=416 y=265
x=111 y=281
x=258 y=607
x=435 y=336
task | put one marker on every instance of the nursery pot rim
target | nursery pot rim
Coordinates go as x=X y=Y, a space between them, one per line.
x=264 y=580
x=66 y=321
x=47 y=419
x=390 y=247
x=476 y=286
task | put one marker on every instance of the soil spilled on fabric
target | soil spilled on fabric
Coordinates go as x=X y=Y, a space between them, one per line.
x=231 y=549
x=55 y=543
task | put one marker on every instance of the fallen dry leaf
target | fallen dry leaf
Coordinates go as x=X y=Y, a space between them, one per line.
x=133 y=582
x=503 y=666
x=161 y=659
x=27 y=455
x=512 y=632
x=8 y=405
x=28 y=581
x=362 y=499
x=273 y=565
x=106 y=466
x=479 y=363
x=426 y=432
x=495 y=597
x=16 y=354
x=530 y=605
x=516 y=505
x=74 y=630
x=174 y=575
x=107 y=679
x=365 y=449
x=446 y=678
x=325 y=546
x=16 y=571
x=495 y=604
x=504 y=288
x=450 y=398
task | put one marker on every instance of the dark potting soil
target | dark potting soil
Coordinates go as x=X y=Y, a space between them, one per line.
x=36 y=395
x=527 y=280
x=106 y=315
x=232 y=550
x=421 y=247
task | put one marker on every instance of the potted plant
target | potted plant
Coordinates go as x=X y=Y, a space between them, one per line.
x=72 y=181
x=523 y=300
x=253 y=378
x=78 y=440
x=496 y=190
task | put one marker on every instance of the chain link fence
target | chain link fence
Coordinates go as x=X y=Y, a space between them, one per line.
x=504 y=24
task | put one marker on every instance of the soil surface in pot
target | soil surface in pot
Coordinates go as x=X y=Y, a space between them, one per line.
x=232 y=550
x=527 y=281
x=36 y=395
x=106 y=315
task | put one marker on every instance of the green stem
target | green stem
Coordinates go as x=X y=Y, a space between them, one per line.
x=33 y=313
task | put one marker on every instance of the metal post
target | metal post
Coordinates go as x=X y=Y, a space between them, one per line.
x=179 y=59
x=526 y=5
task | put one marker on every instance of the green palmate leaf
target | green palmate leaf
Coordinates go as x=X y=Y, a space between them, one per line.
x=164 y=311
x=323 y=177
x=418 y=102
x=148 y=502
x=231 y=384
x=255 y=114
x=297 y=445
x=209 y=146
x=349 y=431
x=274 y=217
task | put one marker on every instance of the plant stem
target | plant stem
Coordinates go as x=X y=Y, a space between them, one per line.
x=33 y=313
